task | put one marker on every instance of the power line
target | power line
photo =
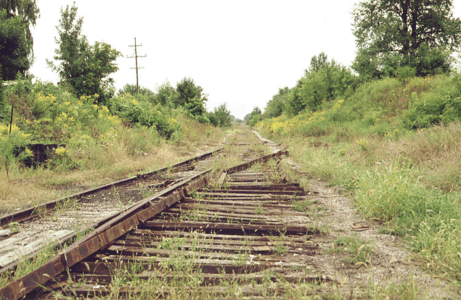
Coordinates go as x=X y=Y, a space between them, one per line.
x=135 y=56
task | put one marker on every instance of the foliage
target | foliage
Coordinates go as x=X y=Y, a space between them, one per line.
x=166 y=95
x=131 y=89
x=294 y=102
x=11 y=145
x=324 y=81
x=392 y=182
x=190 y=95
x=16 y=42
x=196 y=108
x=307 y=122
x=83 y=67
x=434 y=107
x=429 y=218
x=143 y=113
x=234 y=119
x=13 y=47
x=187 y=95
x=391 y=34
x=26 y=8
x=220 y=116
x=317 y=62
x=404 y=74
x=376 y=108
x=51 y=114
x=274 y=107
x=253 y=117
x=2 y=103
x=61 y=160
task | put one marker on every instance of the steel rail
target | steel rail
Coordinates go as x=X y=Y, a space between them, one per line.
x=103 y=236
x=246 y=165
x=31 y=212
x=134 y=216
x=244 y=232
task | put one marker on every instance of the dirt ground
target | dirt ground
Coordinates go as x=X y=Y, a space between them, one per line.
x=389 y=270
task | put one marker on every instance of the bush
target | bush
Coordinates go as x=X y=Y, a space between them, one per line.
x=13 y=147
x=220 y=116
x=436 y=106
x=143 y=113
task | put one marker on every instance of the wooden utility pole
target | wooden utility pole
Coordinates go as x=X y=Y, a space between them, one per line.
x=135 y=56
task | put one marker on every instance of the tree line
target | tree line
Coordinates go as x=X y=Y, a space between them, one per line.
x=83 y=68
x=394 y=38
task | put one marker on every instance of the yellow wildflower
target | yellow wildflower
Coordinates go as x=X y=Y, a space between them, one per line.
x=60 y=150
x=29 y=153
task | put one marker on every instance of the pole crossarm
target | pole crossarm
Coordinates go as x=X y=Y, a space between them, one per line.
x=135 y=56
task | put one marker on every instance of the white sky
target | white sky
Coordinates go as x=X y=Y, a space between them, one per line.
x=239 y=52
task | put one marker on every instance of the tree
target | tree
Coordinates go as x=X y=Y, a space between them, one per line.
x=166 y=95
x=391 y=34
x=220 y=116
x=187 y=90
x=324 y=81
x=141 y=93
x=317 y=62
x=191 y=97
x=274 y=107
x=294 y=103
x=16 y=42
x=253 y=117
x=83 y=68
x=131 y=89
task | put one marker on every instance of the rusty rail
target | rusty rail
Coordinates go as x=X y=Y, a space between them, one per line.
x=253 y=213
x=103 y=236
x=262 y=159
x=31 y=212
x=241 y=235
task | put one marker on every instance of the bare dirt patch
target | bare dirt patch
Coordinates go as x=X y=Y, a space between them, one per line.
x=365 y=263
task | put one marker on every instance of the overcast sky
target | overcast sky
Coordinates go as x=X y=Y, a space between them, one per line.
x=239 y=52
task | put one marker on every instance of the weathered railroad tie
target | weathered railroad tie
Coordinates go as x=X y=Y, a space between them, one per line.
x=235 y=236
x=239 y=237
x=55 y=221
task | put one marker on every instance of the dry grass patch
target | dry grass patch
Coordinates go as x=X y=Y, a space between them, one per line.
x=100 y=164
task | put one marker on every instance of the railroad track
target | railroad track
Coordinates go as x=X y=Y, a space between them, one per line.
x=25 y=232
x=236 y=234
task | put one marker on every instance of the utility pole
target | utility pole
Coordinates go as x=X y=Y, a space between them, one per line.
x=135 y=56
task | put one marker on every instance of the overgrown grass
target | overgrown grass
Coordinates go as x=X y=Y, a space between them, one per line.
x=406 y=180
x=358 y=253
x=393 y=185
x=131 y=153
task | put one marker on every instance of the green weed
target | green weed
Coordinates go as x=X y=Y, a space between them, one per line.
x=358 y=252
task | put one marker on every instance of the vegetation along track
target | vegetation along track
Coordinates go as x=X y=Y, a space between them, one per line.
x=234 y=234
x=27 y=231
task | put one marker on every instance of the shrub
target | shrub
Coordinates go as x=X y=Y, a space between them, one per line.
x=220 y=116
x=145 y=114
x=432 y=108
x=13 y=147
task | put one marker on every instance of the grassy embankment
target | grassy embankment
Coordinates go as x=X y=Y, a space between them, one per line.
x=103 y=142
x=382 y=144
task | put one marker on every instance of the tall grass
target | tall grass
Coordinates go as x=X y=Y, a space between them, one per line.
x=406 y=180
x=393 y=188
x=121 y=153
